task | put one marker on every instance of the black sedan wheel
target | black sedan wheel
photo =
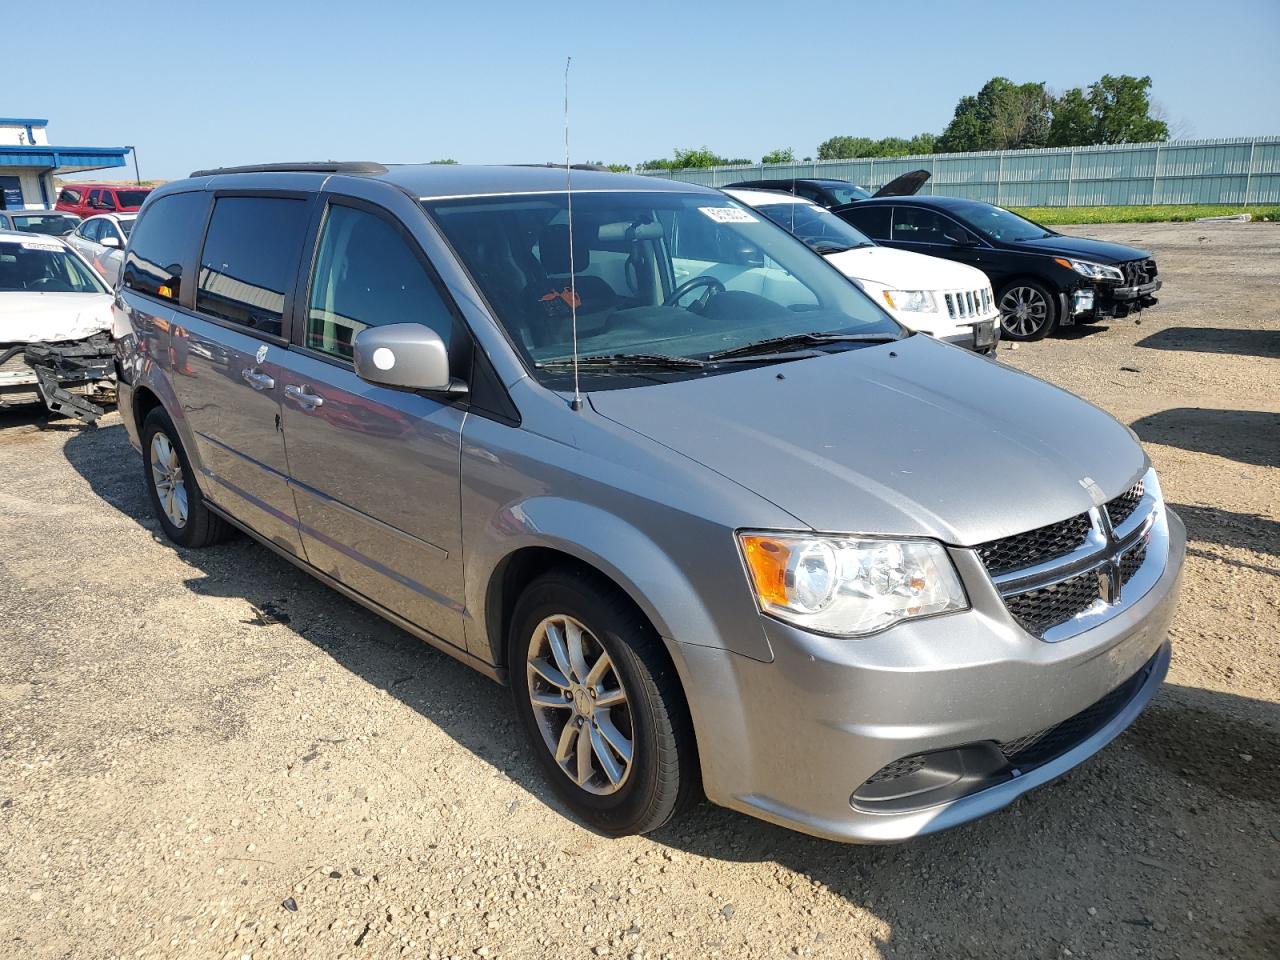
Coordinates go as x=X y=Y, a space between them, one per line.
x=1027 y=311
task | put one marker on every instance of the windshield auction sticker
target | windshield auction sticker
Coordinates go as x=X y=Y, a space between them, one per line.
x=728 y=215
x=37 y=245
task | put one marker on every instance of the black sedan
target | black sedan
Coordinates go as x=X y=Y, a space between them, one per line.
x=831 y=193
x=1043 y=279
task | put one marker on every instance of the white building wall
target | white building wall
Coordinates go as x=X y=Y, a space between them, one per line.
x=15 y=135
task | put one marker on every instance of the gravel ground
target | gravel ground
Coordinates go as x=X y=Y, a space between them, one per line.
x=206 y=754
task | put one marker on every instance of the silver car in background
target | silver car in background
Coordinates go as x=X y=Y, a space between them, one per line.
x=759 y=541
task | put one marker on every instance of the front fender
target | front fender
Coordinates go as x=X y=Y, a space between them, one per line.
x=631 y=559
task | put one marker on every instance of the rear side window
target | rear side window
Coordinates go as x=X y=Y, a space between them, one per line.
x=916 y=225
x=367 y=275
x=162 y=238
x=250 y=259
x=873 y=221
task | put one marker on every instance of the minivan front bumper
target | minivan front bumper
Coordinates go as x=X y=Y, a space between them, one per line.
x=792 y=741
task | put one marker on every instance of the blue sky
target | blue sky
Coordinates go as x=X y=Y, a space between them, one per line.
x=395 y=80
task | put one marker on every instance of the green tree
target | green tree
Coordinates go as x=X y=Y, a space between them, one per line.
x=619 y=167
x=965 y=131
x=1073 y=121
x=443 y=161
x=1114 y=110
x=702 y=157
x=786 y=155
x=891 y=147
x=1003 y=116
x=845 y=148
x=923 y=143
x=1122 y=107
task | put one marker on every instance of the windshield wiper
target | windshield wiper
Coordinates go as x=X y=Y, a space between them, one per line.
x=657 y=361
x=782 y=344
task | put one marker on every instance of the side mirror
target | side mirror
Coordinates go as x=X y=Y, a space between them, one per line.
x=110 y=242
x=405 y=356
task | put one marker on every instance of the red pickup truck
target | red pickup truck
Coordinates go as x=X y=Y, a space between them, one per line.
x=87 y=199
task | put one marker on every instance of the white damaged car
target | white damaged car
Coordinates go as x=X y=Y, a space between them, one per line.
x=55 y=328
x=947 y=300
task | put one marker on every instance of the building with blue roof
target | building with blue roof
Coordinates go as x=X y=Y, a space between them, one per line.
x=28 y=162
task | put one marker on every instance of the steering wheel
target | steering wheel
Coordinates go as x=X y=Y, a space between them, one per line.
x=713 y=286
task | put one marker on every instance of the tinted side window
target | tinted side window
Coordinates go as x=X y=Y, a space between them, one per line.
x=249 y=260
x=162 y=238
x=917 y=225
x=873 y=221
x=89 y=229
x=366 y=275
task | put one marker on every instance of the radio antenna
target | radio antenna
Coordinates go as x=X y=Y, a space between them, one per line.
x=576 y=402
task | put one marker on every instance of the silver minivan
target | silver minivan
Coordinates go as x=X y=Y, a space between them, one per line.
x=758 y=542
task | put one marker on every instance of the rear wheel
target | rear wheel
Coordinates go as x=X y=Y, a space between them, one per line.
x=1028 y=311
x=175 y=496
x=601 y=704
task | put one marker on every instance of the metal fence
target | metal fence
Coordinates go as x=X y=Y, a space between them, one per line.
x=1235 y=171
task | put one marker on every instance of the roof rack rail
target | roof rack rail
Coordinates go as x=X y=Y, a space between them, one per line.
x=598 y=167
x=355 y=168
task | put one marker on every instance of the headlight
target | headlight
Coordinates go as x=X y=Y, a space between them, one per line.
x=1094 y=271
x=911 y=301
x=849 y=586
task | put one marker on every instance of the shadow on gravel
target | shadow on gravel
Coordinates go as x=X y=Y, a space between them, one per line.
x=1138 y=832
x=1245 y=343
x=1080 y=331
x=1247 y=436
x=1213 y=525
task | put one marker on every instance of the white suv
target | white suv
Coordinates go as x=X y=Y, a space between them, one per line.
x=947 y=300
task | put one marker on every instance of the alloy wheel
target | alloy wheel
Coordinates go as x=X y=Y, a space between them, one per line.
x=1023 y=311
x=580 y=705
x=166 y=475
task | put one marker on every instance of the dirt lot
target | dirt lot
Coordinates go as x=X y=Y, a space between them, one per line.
x=206 y=754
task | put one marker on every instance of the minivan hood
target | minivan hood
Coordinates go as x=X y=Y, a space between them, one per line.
x=52 y=317
x=904 y=270
x=1082 y=248
x=913 y=438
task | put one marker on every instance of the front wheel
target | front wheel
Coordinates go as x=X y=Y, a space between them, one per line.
x=1028 y=311
x=601 y=704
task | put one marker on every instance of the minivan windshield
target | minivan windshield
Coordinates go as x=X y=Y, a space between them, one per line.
x=659 y=276
x=819 y=228
x=997 y=223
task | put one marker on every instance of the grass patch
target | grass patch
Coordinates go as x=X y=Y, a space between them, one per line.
x=1164 y=213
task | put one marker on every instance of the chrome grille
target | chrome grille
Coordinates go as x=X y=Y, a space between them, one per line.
x=1038 y=610
x=1035 y=546
x=1055 y=573
x=1121 y=508
x=968 y=304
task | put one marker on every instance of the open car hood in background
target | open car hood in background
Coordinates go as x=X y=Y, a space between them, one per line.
x=905 y=185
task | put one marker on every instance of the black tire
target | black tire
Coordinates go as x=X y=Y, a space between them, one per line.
x=663 y=774
x=1030 y=327
x=202 y=527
